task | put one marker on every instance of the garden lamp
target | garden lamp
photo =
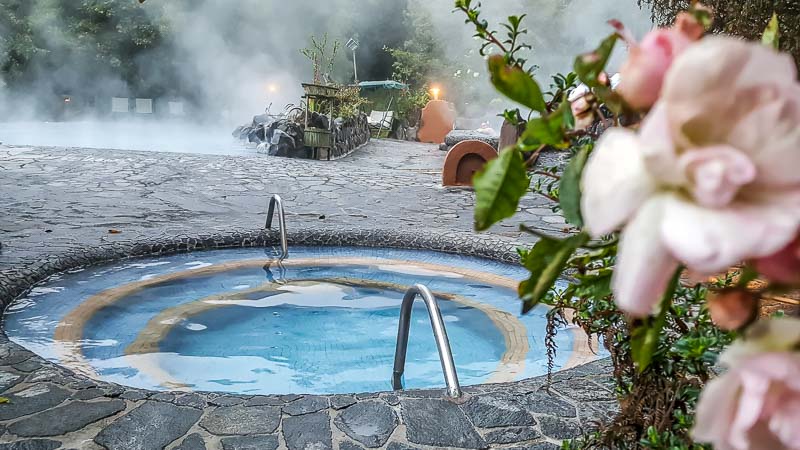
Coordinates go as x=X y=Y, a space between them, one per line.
x=352 y=44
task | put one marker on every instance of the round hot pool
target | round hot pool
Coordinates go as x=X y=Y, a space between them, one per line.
x=323 y=322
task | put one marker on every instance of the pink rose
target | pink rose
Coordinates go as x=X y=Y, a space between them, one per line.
x=643 y=72
x=756 y=403
x=642 y=75
x=784 y=266
x=711 y=177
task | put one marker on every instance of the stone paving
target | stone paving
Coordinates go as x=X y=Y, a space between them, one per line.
x=60 y=206
x=54 y=198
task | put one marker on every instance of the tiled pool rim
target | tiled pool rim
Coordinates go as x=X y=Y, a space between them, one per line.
x=16 y=281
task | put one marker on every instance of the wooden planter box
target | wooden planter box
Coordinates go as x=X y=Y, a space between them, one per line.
x=319 y=90
x=315 y=137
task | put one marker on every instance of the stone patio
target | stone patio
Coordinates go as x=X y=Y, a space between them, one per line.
x=70 y=207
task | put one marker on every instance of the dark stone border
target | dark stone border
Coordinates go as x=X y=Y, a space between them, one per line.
x=68 y=409
x=15 y=282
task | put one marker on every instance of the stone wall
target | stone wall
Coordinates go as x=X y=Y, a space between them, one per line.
x=350 y=135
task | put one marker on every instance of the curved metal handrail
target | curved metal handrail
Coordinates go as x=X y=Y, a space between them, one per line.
x=277 y=200
x=439 y=332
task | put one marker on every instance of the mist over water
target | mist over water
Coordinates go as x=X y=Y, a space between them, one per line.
x=225 y=61
x=149 y=135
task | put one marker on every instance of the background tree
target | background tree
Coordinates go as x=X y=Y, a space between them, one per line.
x=746 y=18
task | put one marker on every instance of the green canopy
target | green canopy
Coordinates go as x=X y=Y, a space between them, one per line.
x=388 y=84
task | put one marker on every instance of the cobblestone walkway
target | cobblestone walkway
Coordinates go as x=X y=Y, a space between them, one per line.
x=59 y=206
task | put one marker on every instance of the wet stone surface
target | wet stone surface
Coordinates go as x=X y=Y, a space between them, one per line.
x=450 y=429
x=370 y=423
x=65 y=419
x=61 y=204
x=308 y=431
x=250 y=443
x=192 y=442
x=151 y=425
x=233 y=420
x=490 y=411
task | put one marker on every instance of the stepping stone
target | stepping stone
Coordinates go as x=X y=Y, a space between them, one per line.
x=370 y=423
x=557 y=428
x=347 y=445
x=342 y=401
x=240 y=419
x=66 y=419
x=152 y=425
x=306 y=405
x=439 y=423
x=538 y=446
x=33 y=444
x=250 y=443
x=399 y=446
x=264 y=401
x=309 y=431
x=512 y=435
x=490 y=412
x=192 y=442
x=9 y=380
x=544 y=403
x=32 y=400
x=88 y=394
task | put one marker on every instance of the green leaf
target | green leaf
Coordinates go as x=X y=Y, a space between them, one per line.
x=546 y=261
x=516 y=84
x=4 y=400
x=511 y=116
x=569 y=191
x=772 y=34
x=498 y=188
x=597 y=286
x=590 y=65
x=644 y=338
x=547 y=130
x=703 y=15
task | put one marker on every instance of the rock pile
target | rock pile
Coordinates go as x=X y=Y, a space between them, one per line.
x=280 y=136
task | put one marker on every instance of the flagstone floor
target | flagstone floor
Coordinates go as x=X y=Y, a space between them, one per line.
x=65 y=207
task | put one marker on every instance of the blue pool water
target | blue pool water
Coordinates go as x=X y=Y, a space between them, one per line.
x=325 y=323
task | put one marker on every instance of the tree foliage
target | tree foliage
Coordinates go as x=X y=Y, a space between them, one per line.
x=70 y=44
x=746 y=18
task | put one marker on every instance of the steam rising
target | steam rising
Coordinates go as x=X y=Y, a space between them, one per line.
x=229 y=59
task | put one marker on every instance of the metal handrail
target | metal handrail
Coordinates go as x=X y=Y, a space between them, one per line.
x=277 y=200
x=439 y=332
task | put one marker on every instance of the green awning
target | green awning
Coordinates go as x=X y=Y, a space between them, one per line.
x=388 y=84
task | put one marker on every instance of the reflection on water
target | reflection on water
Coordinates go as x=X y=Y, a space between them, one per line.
x=328 y=327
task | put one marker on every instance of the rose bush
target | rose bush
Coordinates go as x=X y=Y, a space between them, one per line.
x=756 y=403
x=705 y=178
x=711 y=177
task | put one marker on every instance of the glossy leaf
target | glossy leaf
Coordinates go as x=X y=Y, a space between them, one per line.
x=772 y=34
x=498 y=188
x=546 y=261
x=547 y=130
x=590 y=65
x=645 y=336
x=569 y=192
x=516 y=84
